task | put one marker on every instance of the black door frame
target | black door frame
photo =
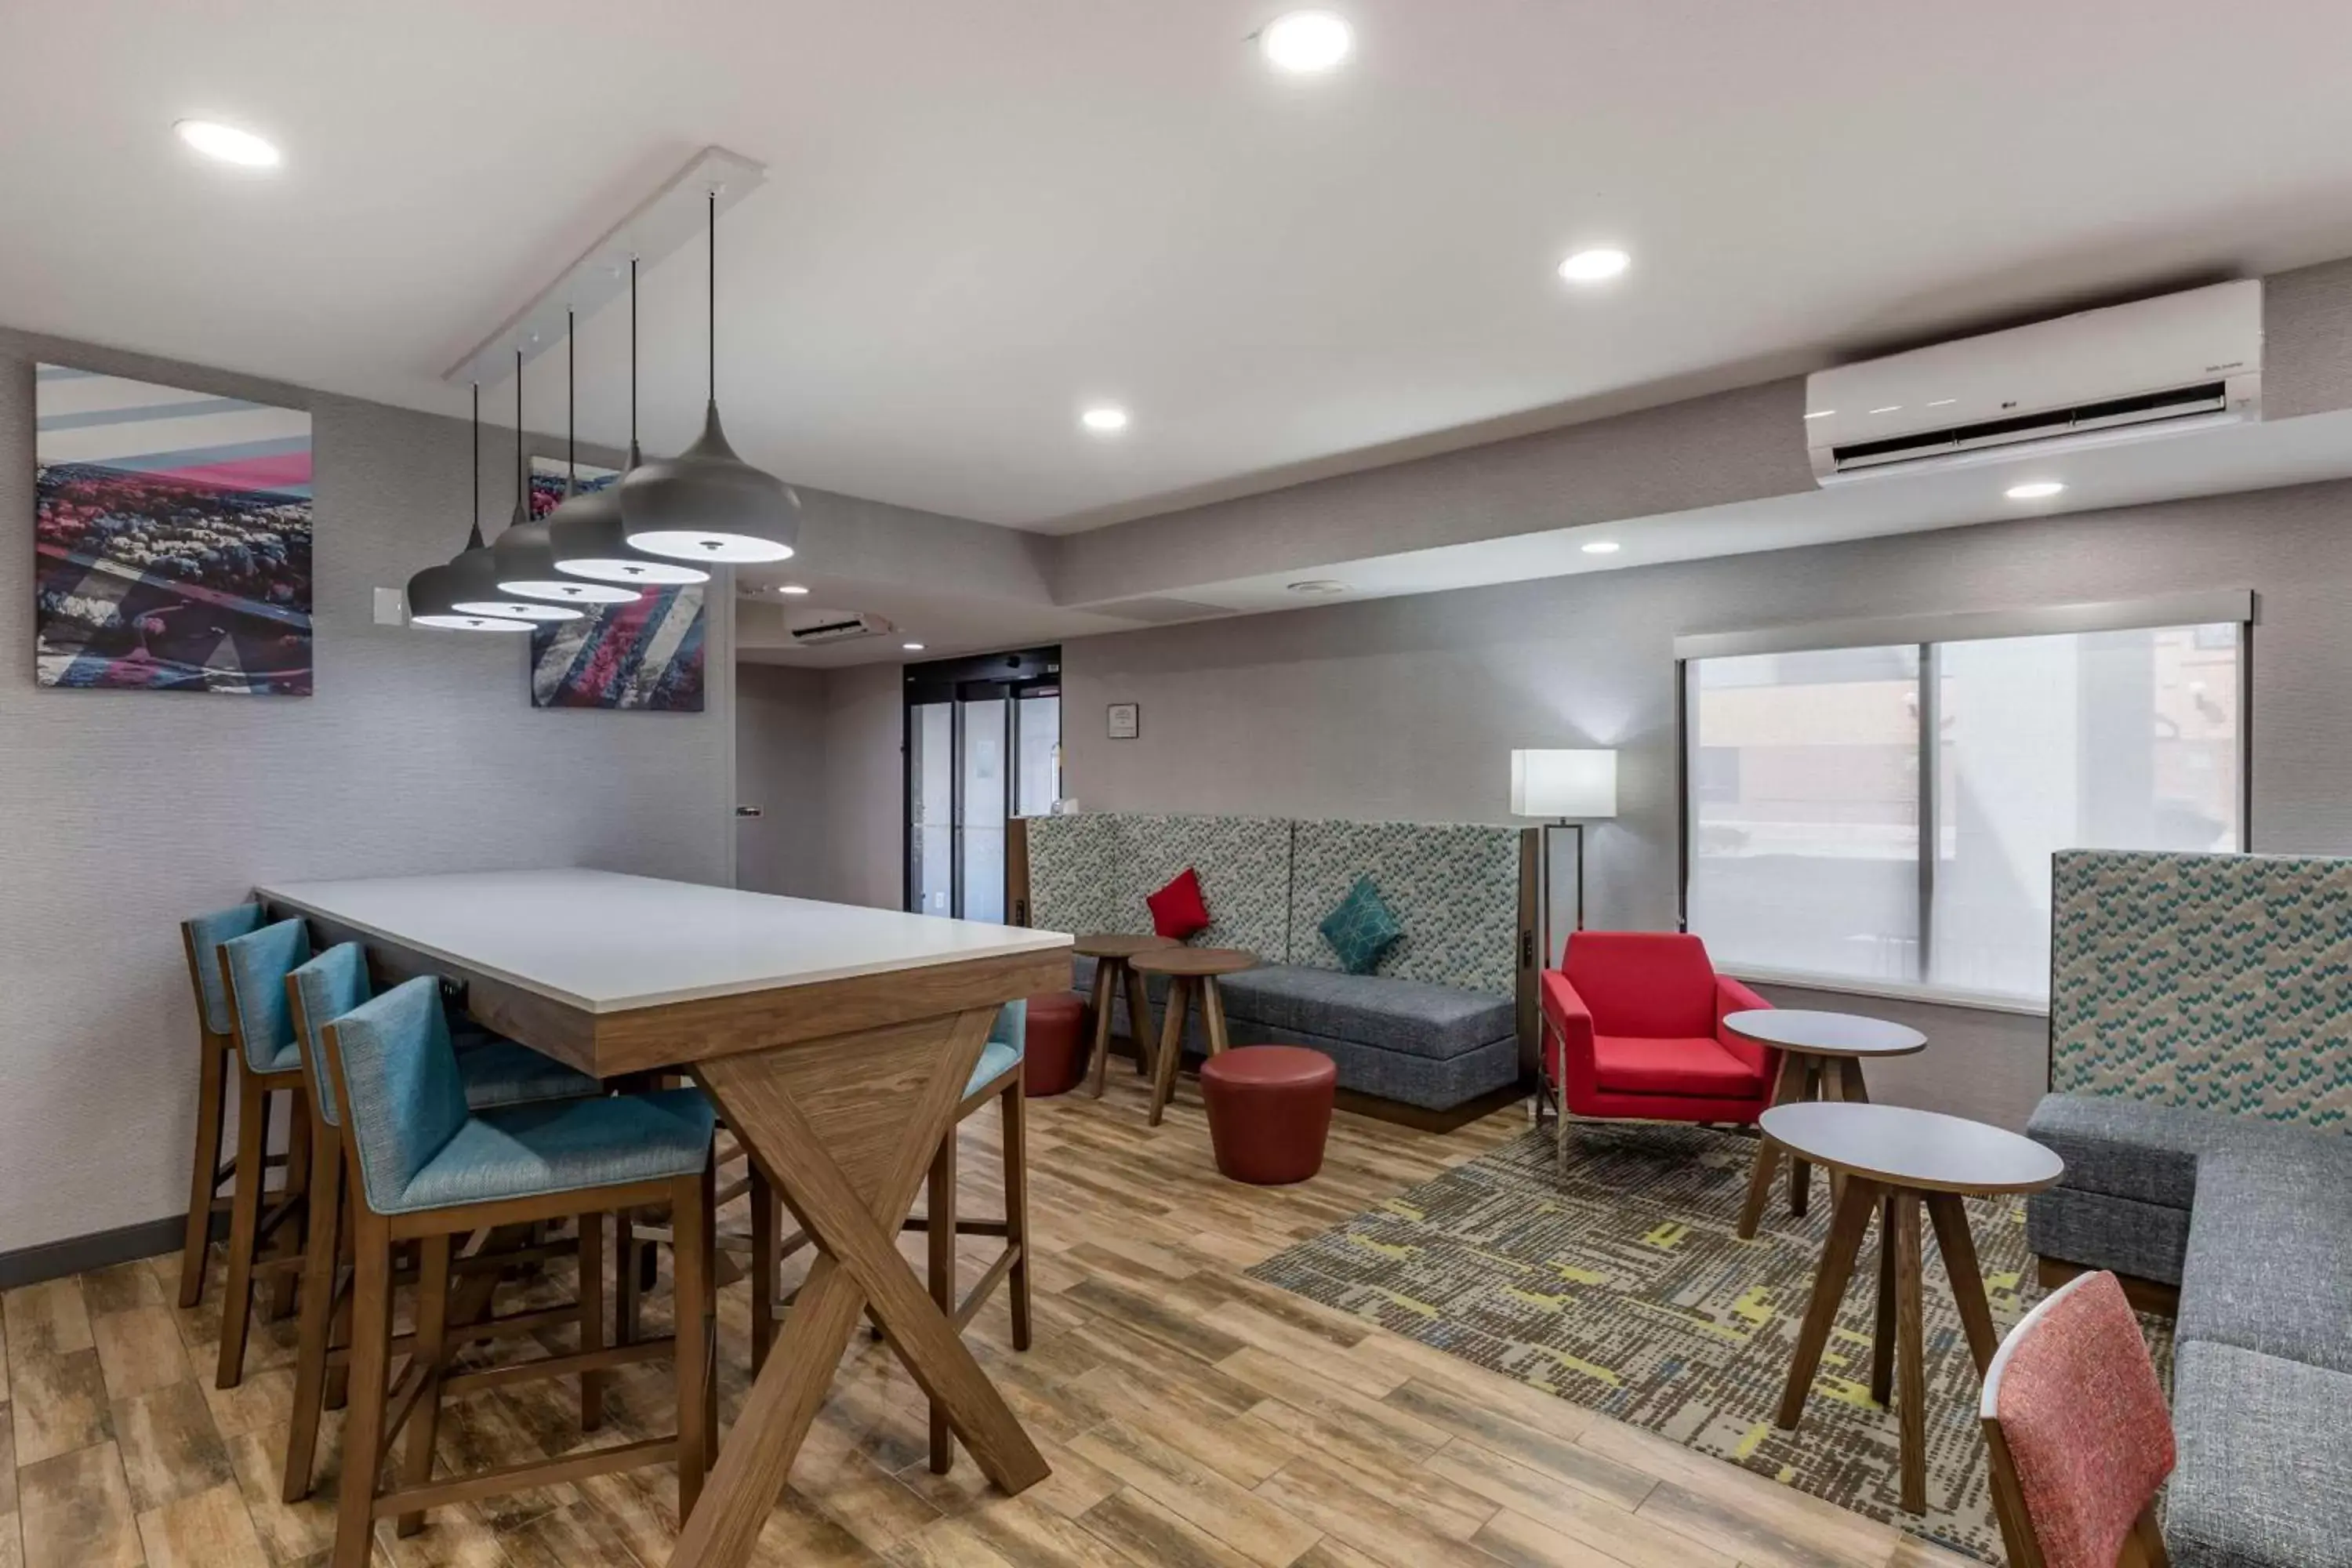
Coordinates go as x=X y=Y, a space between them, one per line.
x=1031 y=672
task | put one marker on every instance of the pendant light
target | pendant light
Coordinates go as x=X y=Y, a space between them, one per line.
x=707 y=504
x=433 y=592
x=525 y=565
x=586 y=531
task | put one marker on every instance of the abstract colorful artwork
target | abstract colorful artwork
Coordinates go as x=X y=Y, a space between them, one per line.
x=172 y=539
x=646 y=655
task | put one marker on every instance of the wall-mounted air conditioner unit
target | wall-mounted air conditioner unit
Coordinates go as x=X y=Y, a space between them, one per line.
x=834 y=628
x=2128 y=372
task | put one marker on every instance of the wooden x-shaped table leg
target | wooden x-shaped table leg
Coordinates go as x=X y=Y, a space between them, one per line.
x=846 y=1127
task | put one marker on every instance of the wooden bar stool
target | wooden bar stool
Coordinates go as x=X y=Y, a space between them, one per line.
x=431 y=1171
x=495 y=1072
x=995 y=1077
x=254 y=968
x=200 y=938
x=1192 y=973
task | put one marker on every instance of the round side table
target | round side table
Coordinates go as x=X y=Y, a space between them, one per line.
x=1893 y=1161
x=1110 y=951
x=1820 y=1058
x=1192 y=973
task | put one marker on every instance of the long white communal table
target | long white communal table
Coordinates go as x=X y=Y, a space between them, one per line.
x=835 y=1040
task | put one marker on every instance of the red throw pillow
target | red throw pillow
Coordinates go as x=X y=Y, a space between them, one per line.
x=1177 y=910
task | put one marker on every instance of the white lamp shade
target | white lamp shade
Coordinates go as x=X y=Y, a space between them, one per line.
x=1570 y=784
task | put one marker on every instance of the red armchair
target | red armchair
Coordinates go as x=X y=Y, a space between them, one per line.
x=1633 y=1029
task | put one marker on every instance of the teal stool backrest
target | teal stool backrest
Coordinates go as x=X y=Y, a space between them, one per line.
x=1012 y=1026
x=407 y=1100
x=330 y=986
x=258 y=965
x=205 y=935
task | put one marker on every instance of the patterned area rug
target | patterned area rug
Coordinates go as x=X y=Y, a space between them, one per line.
x=1621 y=1286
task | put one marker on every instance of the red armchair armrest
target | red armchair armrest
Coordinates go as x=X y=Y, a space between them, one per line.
x=1567 y=1034
x=1731 y=996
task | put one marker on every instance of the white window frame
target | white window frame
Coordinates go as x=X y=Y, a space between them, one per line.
x=2235 y=606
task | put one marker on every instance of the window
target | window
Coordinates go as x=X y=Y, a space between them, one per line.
x=1885 y=813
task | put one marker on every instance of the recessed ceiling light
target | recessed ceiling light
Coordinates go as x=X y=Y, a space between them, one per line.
x=1603 y=547
x=1890 y=408
x=912 y=646
x=2035 y=489
x=227 y=144
x=1821 y=412
x=1319 y=587
x=1105 y=419
x=1595 y=265
x=1307 y=41
x=791 y=588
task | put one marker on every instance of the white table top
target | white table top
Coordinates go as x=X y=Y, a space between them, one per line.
x=605 y=943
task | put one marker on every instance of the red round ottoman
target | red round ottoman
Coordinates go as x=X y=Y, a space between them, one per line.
x=1052 y=1055
x=1269 y=1111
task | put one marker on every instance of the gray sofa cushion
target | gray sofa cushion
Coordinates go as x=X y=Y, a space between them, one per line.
x=2265 y=1462
x=2270 y=1254
x=1406 y=1015
x=2093 y=1230
x=2148 y=1153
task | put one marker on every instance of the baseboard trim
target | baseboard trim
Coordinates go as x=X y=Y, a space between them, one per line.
x=100 y=1249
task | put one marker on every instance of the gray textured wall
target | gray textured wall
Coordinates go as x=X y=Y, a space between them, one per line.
x=127 y=811
x=1408 y=708
x=779 y=749
x=866 y=786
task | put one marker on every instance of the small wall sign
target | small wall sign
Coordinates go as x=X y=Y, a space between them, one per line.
x=1126 y=721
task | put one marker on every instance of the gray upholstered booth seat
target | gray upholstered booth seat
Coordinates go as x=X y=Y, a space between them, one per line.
x=2269 y=1255
x=1435 y=1047
x=1406 y=1016
x=2266 y=1447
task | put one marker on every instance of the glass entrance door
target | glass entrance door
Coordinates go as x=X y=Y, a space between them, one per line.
x=983 y=745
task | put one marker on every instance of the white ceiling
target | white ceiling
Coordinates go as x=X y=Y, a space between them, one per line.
x=981 y=216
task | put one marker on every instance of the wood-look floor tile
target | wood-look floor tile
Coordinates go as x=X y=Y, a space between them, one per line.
x=1029 y=1536
x=1076 y=1484
x=871 y=1503
x=204 y=1529
x=798 y=1535
x=1150 y=1533
x=1349 y=1409
x=1467 y=1380
x=1757 y=1521
x=1334 y=1505
x=1912 y=1553
x=1572 y=1462
x=1241 y=1451
x=1247 y=1522
x=120 y=1287
x=1572 y=1511
x=46 y=1320
x=7 y=1462
x=1304 y=1350
x=1148 y=1315
x=451 y=1538
x=641 y=1508
x=482 y=1432
x=1330 y=1553
x=1520 y=1542
x=1207 y=1291
x=75 y=1511
x=946 y=1545
x=169 y=1448
x=138 y=1349
x=1113 y=1342
x=290 y=1532
x=59 y=1404
x=1394 y=1473
x=12 y=1542
x=577 y=1535
x=3 y=1359
x=263 y=1402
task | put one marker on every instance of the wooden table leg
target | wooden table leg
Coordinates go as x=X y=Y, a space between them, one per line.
x=1212 y=1016
x=1881 y=1339
x=1950 y=1213
x=1910 y=1358
x=1171 y=1055
x=1851 y=1089
x=847 y=1127
x=1106 y=972
x=1847 y=1226
x=1787 y=1084
x=1800 y=1173
x=1138 y=1020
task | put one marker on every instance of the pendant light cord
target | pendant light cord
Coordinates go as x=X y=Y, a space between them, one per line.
x=711 y=348
x=633 y=353
x=570 y=403
x=522 y=490
x=478 y=461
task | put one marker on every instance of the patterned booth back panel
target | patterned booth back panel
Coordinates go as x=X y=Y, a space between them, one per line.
x=1080 y=875
x=1455 y=891
x=2219 y=982
x=1244 y=864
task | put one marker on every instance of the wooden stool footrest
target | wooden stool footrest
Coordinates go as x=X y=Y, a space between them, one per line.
x=528 y=1474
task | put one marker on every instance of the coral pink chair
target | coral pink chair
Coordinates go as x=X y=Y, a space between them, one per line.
x=2080 y=1438
x=1634 y=1030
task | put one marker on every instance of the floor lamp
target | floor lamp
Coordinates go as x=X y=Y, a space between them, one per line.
x=1567 y=789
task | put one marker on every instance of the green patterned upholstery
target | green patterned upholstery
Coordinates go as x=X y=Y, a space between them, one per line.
x=259 y=963
x=2217 y=982
x=421 y=1148
x=1079 y=876
x=206 y=935
x=1454 y=889
x=1091 y=873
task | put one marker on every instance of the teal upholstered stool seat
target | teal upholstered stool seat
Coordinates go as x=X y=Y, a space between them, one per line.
x=525 y=1150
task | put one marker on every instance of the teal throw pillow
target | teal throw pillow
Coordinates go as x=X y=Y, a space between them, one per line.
x=1361 y=929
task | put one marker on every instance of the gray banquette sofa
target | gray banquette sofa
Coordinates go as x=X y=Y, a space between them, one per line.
x=2201 y=1023
x=1442 y=1022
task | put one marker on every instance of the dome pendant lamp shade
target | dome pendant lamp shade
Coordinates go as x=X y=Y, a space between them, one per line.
x=707 y=504
x=586 y=532
x=433 y=594
x=523 y=563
